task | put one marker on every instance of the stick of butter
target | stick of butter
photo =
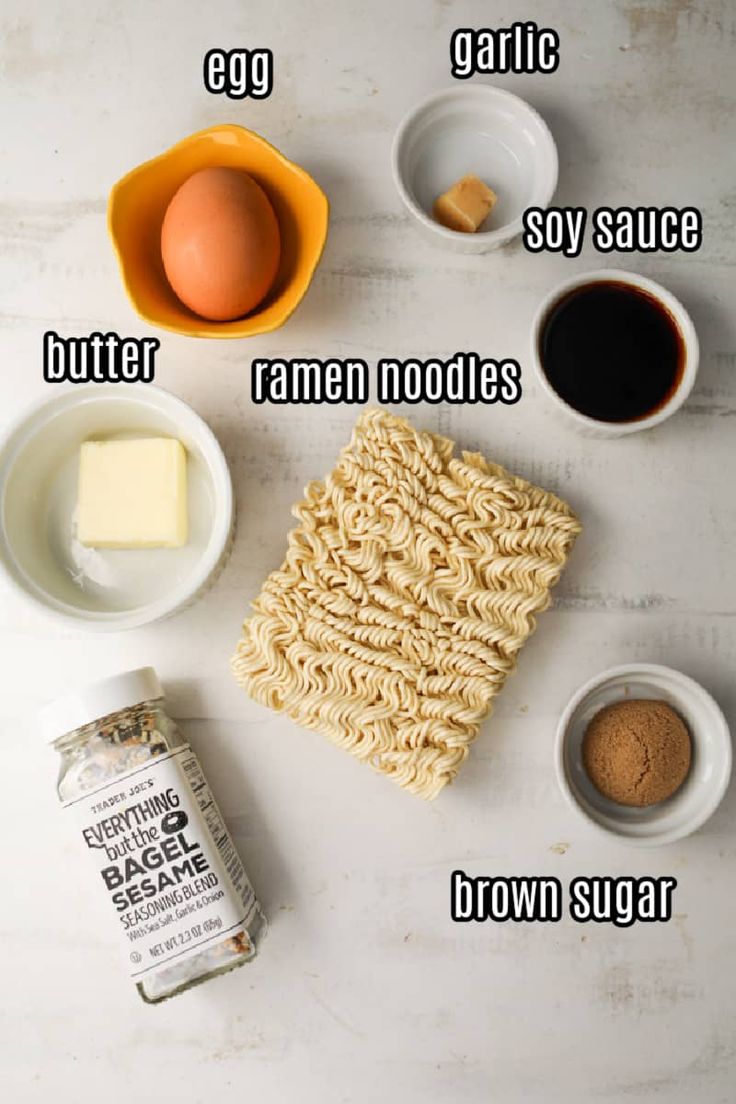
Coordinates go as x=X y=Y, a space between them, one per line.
x=132 y=493
x=465 y=205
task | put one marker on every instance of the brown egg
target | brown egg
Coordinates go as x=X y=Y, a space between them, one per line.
x=220 y=244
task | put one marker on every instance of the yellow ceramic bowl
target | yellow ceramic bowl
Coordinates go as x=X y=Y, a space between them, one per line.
x=138 y=203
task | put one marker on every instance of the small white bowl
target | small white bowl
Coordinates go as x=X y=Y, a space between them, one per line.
x=104 y=589
x=479 y=130
x=591 y=427
x=702 y=790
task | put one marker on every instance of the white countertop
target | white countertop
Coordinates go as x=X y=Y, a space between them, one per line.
x=365 y=990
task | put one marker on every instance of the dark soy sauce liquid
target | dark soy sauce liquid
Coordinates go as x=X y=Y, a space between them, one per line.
x=612 y=351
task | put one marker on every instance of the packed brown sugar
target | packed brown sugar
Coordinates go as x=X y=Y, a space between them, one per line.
x=637 y=752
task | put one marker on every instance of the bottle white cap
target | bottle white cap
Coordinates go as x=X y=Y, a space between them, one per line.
x=98 y=700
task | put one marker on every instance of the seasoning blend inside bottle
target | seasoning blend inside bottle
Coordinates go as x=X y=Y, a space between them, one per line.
x=144 y=812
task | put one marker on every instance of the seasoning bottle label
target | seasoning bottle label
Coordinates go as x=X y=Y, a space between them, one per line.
x=166 y=861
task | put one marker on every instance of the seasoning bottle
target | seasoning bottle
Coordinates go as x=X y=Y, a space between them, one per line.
x=144 y=813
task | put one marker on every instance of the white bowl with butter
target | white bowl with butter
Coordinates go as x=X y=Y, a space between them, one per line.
x=91 y=583
x=478 y=130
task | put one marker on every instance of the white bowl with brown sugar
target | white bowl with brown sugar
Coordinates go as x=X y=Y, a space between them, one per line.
x=614 y=741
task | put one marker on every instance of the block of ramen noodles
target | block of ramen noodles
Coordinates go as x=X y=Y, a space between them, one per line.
x=410 y=584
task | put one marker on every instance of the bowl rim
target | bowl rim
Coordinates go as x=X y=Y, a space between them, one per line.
x=682 y=320
x=17 y=435
x=687 y=684
x=200 y=326
x=500 y=234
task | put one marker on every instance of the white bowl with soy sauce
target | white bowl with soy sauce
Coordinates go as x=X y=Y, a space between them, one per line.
x=615 y=352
